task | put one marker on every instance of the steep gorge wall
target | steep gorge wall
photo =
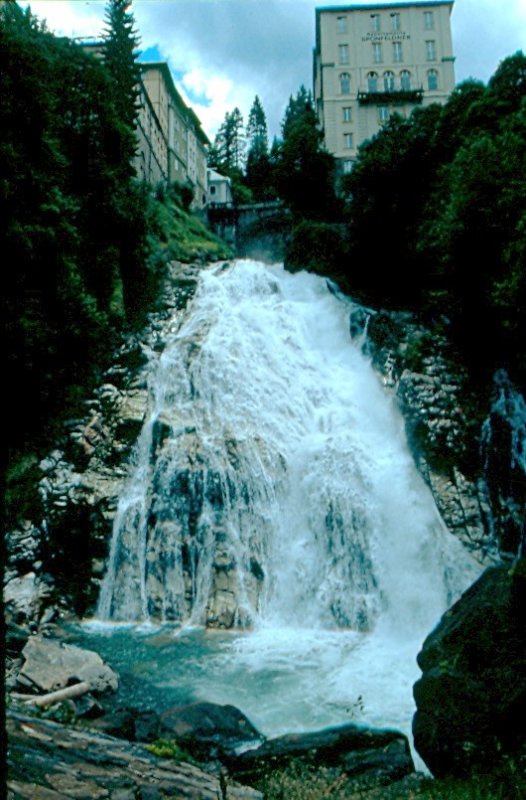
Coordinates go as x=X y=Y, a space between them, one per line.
x=445 y=414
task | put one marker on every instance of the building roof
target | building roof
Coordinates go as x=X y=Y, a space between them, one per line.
x=213 y=175
x=402 y=4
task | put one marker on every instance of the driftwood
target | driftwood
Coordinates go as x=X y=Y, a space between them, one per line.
x=68 y=693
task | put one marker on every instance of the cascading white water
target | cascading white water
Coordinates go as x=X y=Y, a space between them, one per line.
x=273 y=487
x=272 y=457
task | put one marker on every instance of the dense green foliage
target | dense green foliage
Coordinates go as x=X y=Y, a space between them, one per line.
x=174 y=234
x=121 y=43
x=69 y=218
x=227 y=155
x=304 y=170
x=436 y=217
x=258 y=165
x=84 y=244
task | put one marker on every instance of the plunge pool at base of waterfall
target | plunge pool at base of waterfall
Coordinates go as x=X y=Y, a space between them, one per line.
x=284 y=679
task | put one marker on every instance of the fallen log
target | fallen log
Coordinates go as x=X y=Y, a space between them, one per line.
x=68 y=693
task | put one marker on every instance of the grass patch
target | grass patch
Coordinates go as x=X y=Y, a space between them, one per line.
x=167 y=748
x=298 y=781
x=180 y=236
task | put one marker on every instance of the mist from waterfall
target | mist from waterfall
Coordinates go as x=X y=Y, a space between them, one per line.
x=273 y=490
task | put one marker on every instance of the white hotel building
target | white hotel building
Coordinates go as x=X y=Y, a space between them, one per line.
x=371 y=61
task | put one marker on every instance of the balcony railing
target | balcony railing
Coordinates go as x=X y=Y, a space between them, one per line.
x=385 y=97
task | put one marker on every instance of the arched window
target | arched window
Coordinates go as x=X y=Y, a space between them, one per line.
x=372 y=82
x=432 y=79
x=345 y=83
x=405 y=80
x=389 y=81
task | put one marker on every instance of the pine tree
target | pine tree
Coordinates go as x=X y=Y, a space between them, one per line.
x=258 y=177
x=304 y=169
x=229 y=144
x=120 y=53
x=256 y=133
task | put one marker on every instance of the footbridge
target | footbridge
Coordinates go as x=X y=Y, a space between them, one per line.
x=256 y=230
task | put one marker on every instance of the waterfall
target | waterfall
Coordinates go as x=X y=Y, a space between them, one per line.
x=272 y=484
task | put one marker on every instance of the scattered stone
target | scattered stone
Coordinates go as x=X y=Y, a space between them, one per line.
x=471 y=699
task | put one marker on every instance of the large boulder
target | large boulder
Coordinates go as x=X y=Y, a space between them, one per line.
x=374 y=755
x=208 y=729
x=471 y=699
x=50 y=665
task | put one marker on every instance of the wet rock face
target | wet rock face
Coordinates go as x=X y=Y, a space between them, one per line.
x=471 y=699
x=58 y=565
x=210 y=730
x=47 y=760
x=504 y=455
x=443 y=418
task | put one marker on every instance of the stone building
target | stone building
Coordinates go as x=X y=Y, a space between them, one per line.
x=219 y=189
x=178 y=137
x=372 y=61
x=171 y=144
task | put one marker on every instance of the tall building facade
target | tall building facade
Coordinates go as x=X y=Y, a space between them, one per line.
x=171 y=143
x=180 y=140
x=372 y=61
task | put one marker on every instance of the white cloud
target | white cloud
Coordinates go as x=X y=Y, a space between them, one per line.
x=80 y=18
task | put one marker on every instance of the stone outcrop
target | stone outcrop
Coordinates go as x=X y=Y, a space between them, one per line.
x=443 y=417
x=471 y=699
x=48 y=761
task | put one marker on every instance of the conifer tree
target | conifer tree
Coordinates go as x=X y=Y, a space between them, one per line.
x=258 y=177
x=229 y=144
x=120 y=53
x=304 y=170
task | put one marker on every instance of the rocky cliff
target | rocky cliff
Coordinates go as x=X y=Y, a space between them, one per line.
x=468 y=440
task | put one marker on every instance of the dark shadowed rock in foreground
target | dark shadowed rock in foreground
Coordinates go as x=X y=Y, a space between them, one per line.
x=50 y=761
x=380 y=756
x=471 y=699
x=209 y=729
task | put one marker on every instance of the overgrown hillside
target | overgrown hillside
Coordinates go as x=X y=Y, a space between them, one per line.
x=85 y=245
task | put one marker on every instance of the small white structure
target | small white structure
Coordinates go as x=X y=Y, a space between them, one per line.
x=219 y=188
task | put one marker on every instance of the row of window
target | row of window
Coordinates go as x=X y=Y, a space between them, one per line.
x=397 y=52
x=378 y=52
x=389 y=82
x=394 y=22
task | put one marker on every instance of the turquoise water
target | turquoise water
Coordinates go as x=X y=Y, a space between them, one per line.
x=284 y=680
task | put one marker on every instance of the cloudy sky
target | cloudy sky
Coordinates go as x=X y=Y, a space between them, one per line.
x=224 y=52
